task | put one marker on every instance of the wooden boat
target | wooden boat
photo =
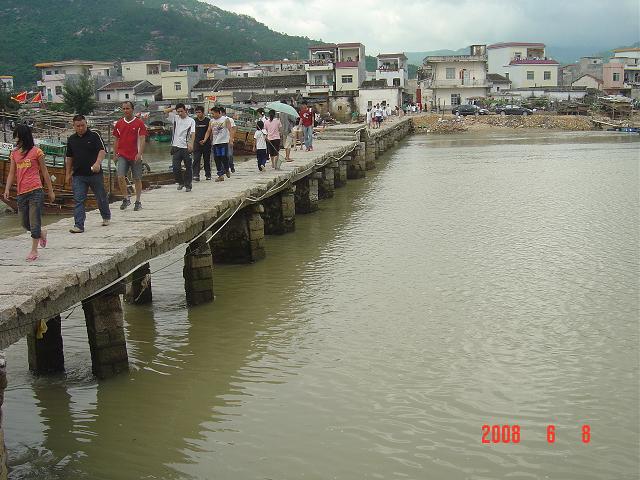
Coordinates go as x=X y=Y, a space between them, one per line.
x=63 y=205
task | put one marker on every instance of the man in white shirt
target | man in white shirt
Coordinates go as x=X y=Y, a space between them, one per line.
x=232 y=134
x=184 y=128
x=220 y=133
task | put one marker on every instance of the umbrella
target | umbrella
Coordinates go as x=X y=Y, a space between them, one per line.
x=282 y=108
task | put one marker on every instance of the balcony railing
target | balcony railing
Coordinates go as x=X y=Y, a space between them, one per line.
x=312 y=65
x=455 y=58
x=319 y=88
x=458 y=83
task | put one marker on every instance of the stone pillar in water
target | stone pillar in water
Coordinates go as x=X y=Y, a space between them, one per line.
x=138 y=289
x=306 y=195
x=357 y=165
x=326 y=183
x=370 y=154
x=4 y=474
x=340 y=172
x=105 y=328
x=280 y=212
x=242 y=239
x=45 y=347
x=198 y=271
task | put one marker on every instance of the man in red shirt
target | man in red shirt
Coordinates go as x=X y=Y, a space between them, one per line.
x=129 y=133
x=306 y=118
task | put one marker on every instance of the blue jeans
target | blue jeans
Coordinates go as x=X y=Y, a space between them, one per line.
x=308 y=136
x=230 y=155
x=81 y=185
x=30 y=210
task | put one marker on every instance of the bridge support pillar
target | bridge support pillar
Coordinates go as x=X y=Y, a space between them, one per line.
x=138 y=287
x=280 y=212
x=198 y=271
x=370 y=155
x=340 y=172
x=105 y=328
x=326 y=183
x=357 y=165
x=45 y=353
x=242 y=239
x=306 y=195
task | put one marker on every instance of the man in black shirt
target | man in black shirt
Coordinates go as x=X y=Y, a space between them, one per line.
x=201 y=150
x=85 y=151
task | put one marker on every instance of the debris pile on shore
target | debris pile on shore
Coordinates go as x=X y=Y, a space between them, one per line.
x=452 y=124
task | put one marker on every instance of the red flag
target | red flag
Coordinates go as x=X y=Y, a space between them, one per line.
x=37 y=98
x=21 y=97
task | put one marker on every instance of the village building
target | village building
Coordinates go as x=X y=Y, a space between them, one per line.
x=378 y=92
x=621 y=76
x=588 y=81
x=199 y=69
x=350 y=69
x=457 y=79
x=149 y=70
x=525 y=64
x=6 y=83
x=282 y=67
x=320 y=70
x=137 y=91
x=498 y=83
x=215 y=71
x=205 y=90
x=273 y=85
x=585 y=66
x=55 y=74
x=393 y=68
x=178 y=85
x=244 y=69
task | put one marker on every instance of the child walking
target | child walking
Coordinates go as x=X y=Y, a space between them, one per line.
x=27 y=166
x=260 y=145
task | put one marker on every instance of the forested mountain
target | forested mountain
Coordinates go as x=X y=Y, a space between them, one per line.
x=183 y=31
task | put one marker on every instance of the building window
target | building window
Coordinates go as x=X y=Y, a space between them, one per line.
x=369 y=104
x=318 y=79
x=126 y=95
x=347 y=78
x=177 y=86
x=58 y=89
x=275 y=92
x=530 y=75
x=56 y=72
x=339 y=107
x=547 y=75
x=451 y=73
x=517 y=55
x=153 y=70
x=506 y=75
x=127 y=68
x=455 y=99
x=297 y=91
x=48 y=72
x=616 y=77
x=497 y=89
x=245 y=74
x=396 y=82
x=108 y=96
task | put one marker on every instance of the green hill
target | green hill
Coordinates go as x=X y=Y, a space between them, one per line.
x=182 y=31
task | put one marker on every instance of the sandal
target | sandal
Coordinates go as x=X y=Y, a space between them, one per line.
x=32 y=257
x=43 y=239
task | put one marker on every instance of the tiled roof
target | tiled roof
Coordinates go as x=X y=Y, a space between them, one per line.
x=280 y=81
x=374 y=84
x=587 y=75
x=150 y=89
x=207 y=84
x=120 y=85
x=496 y=78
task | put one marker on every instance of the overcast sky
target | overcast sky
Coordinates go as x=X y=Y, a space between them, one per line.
x=420 y=25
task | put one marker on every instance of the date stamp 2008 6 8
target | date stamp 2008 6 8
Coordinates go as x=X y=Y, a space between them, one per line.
x=513 y=434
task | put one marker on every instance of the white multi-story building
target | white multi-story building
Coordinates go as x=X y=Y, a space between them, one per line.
x=320 y=69
x=525 y=64
x=393 y=68
x=350 y=69
x=55 y=74
x=457 y=79
x=178 y=85
x=149 y=70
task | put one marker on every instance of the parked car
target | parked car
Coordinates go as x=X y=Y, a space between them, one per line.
x=469 y=110
x=513 y=110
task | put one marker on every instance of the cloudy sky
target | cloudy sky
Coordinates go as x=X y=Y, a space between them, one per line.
x=420 y=25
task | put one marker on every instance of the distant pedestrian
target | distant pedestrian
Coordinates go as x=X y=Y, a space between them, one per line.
x=201 y=150
x=27 y=167
x=273 y=128
x=260 y=145
x=378 y=116
x=184 y=128
x=369 y=116
x=261 y=115
x=291 y=141
x=130 y=134
x=85 y=152
x=220 y=133
x=232 y=134
x=307 y=118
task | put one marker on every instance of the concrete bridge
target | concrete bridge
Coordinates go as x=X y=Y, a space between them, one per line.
x=221 y=223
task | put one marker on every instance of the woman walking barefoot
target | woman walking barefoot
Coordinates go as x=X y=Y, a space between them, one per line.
x=27 y=166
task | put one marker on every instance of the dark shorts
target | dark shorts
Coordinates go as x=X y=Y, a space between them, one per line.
x=273 y=147
x=379 y=119
x=125 y=165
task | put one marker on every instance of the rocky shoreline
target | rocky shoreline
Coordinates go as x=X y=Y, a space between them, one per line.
x=452 y=124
